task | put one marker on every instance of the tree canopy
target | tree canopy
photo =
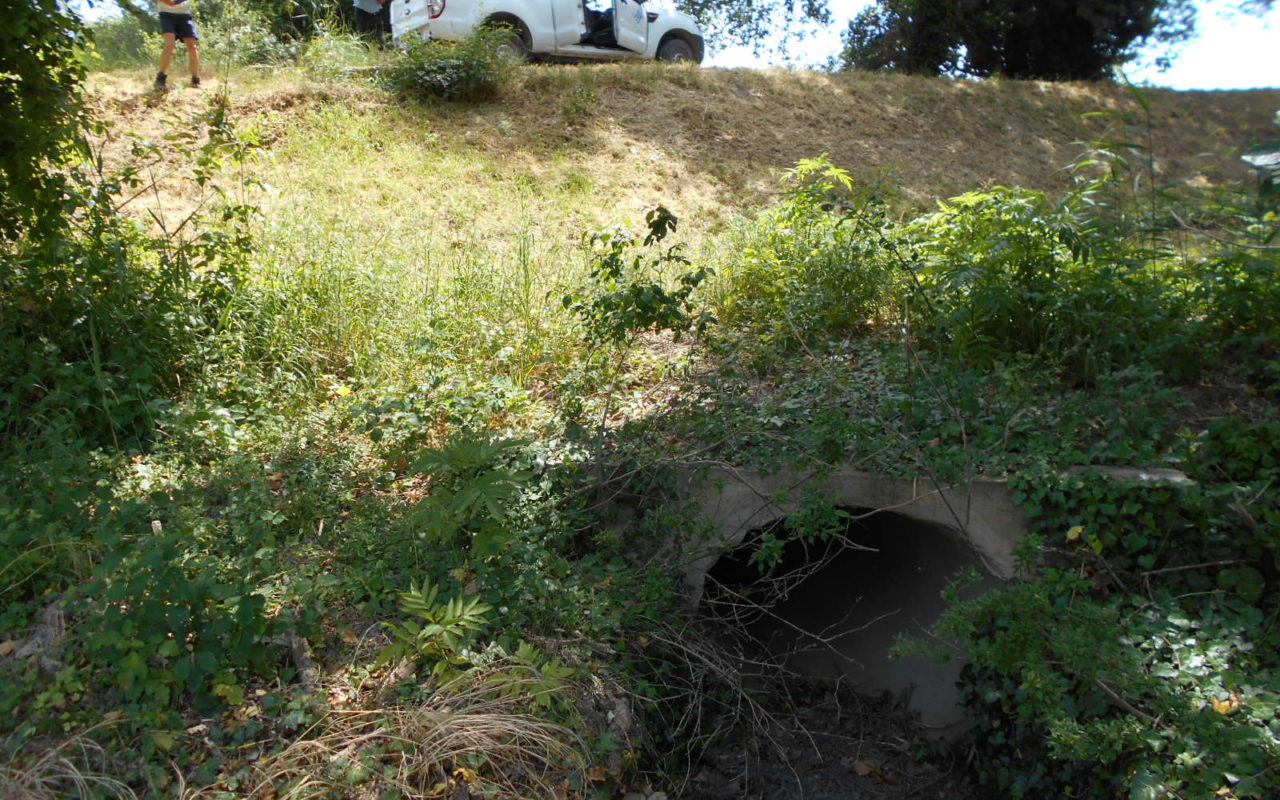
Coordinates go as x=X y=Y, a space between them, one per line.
x=754 y=21
x=1040 y=39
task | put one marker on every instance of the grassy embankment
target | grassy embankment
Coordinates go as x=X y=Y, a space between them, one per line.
x=323 y=447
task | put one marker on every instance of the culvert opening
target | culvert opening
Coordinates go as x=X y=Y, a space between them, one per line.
x=833 y=610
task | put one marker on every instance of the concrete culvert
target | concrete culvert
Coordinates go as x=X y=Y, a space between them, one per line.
x=833 y=610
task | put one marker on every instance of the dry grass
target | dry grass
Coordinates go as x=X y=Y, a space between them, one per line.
x=466 y=732
x=73 y=768
x=595 y=142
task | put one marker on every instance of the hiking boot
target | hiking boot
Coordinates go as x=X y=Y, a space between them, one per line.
x=195 y=81
x=160 y=81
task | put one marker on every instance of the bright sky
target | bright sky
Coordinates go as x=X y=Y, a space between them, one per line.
x=1232 y=51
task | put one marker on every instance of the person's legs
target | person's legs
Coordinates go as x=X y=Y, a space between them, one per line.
x=193 y=59
x=384 y=23
x=166 y=55
x=366 y=24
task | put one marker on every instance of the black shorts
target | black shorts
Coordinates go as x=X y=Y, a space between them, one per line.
x=374 y=25
x=182 y=26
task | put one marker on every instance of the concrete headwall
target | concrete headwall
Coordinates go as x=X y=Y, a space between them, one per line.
x=975 y=523
x=736 y=502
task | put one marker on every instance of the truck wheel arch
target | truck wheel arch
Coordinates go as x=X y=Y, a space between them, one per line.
x=695 y=44
x=511 y=21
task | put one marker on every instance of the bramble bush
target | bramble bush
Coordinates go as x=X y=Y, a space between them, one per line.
x=1180 y=700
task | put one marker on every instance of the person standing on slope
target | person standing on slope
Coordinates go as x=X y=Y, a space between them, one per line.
x=177 y=24
x=373 y=19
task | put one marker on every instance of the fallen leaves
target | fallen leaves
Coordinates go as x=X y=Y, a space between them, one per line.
x=866 y=769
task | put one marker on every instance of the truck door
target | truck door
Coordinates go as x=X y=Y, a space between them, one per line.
x=630 y=25
x=408 y=16
x=567 y=19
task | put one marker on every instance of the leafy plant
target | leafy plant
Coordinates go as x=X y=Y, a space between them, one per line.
x=1145 y=651
x=441 y=637
x=241 y=34
x=471 y=69
x=1006 y=271
x=470 y=497
x=40 y=81
x=112 y=317
x=626 y=295
x=806 y=269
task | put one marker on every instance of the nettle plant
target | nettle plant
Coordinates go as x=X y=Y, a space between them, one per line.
x=811 y=266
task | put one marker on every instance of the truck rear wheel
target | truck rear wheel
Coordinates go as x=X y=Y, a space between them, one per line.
x=515 y=49
x=515 y=45
x=675 y=50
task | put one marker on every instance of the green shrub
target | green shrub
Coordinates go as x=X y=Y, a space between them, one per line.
x=1240 y=292
x=625 y=295
x=44 y=117
x=232 y=33
x=471 y=69
x=1082 y=282
x=125 y=41
x=331 y=52
x=1176 y=701
x=239 y=35
x=111 y=317
x=1007 y=271
x=1147 y=661
x=805 y=269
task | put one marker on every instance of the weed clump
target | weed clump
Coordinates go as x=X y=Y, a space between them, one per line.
x=476 y=68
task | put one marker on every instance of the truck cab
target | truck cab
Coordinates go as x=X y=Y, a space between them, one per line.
x=568 y=29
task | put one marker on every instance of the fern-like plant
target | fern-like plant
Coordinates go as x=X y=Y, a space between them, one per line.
x=437 y=633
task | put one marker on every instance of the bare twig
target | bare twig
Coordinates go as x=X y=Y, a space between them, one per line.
x=1127 y=706
x=1185 y=567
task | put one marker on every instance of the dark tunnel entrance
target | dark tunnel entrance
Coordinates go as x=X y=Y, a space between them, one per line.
x=832 y=610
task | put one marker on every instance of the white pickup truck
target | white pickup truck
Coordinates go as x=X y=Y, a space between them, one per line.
x=560 y=28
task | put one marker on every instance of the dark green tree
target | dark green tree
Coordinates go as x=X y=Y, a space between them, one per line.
x=915 y=36
x=42 y=119
x=1040 y=39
